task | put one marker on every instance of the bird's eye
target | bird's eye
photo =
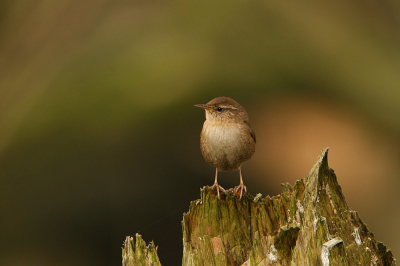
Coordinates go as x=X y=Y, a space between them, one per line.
x=219 y=109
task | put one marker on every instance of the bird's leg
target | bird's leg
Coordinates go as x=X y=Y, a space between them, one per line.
x=241 y=187
x=216 y=186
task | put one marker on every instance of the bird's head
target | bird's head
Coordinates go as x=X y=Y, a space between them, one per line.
x=224 y=109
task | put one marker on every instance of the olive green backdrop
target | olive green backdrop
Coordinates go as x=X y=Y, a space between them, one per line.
x=99 y=138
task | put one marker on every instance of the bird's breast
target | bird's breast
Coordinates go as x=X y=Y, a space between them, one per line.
x=226 y=145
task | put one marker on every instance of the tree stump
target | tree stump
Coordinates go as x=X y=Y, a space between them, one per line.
x=308 y=224
x=136 y=253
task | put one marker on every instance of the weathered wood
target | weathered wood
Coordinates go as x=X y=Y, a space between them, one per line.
x=309 y=224
x=136 y=253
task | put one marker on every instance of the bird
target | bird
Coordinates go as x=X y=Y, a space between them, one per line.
x=227 y=139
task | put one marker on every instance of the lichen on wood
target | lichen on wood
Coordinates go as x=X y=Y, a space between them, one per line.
x=136 y=253
x=307 y=224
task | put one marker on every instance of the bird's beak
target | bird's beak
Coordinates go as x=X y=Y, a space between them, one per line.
x=204 y=106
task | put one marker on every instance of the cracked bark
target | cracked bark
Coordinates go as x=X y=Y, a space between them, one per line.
x=308 y=224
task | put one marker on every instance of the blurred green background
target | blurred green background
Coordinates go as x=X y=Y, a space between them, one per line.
x=99 y=138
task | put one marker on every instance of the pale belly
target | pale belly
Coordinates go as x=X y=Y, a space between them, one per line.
x=226 y=146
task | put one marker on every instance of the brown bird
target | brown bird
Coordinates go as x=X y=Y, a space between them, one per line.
x=227 y=139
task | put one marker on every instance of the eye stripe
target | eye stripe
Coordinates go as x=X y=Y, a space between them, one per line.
x=220 y=108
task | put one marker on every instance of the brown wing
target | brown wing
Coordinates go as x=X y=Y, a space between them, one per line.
x=252 y=134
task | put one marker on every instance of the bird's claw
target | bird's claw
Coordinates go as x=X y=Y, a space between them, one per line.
x=239 y=191
x=217 y=187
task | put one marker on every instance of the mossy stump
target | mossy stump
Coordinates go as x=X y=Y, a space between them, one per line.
x=308 y=224
x=135 y=252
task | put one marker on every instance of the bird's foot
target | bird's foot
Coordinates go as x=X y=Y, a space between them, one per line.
x=240 y=190
x=217 y=187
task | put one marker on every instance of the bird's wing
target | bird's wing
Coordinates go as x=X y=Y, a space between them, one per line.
x=251 y=131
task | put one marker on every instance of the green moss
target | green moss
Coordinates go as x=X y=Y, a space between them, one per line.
x=136 y=253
